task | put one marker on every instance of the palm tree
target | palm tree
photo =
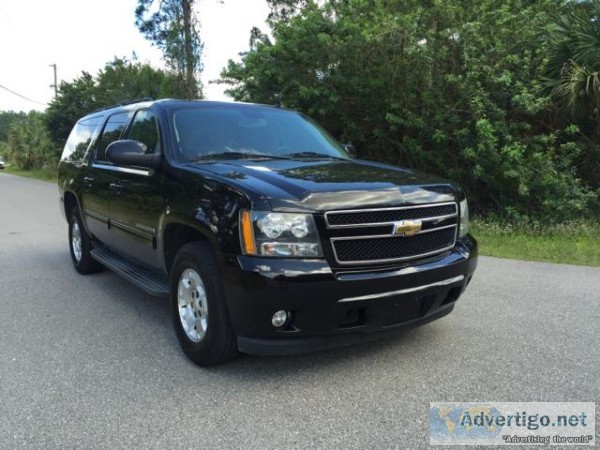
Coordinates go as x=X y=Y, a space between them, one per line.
x=574 y=63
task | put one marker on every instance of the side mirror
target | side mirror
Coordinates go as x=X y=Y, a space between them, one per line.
x=131 y=153
x=350 y=149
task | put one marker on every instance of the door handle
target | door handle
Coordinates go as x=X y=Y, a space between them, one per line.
x=88 y=179
x=117 y=186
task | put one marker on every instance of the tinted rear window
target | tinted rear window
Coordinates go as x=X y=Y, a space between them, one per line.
x=80 y=139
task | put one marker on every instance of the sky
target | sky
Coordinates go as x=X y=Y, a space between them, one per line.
x=79 y=35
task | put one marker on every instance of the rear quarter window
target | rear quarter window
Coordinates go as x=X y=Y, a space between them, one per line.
x=80 y=138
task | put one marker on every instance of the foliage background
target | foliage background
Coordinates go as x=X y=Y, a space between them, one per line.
x=474 y=91
x=35 y=140
x=500 y=95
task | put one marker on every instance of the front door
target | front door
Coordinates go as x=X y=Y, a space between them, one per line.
x=136 y=202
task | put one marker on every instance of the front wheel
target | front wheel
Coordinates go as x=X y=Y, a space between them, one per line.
x=199 y=311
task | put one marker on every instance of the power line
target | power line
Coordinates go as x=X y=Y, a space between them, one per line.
x=22 y=96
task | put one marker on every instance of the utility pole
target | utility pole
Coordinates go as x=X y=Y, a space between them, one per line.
x=55 y=85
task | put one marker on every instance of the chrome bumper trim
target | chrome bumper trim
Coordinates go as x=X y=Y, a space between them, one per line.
x=403 y=291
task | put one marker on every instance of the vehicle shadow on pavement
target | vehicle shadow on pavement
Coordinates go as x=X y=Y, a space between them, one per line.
x=401 y=347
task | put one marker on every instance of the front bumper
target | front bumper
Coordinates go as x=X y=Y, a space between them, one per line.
x=332 y=308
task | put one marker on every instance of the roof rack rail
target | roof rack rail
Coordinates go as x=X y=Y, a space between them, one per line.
x=124 y=102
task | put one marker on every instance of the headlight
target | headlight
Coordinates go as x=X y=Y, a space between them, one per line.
x=464 y=218
x=289 y=235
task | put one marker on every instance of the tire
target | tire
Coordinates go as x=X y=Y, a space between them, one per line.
x=199 y=312
x=80 y=246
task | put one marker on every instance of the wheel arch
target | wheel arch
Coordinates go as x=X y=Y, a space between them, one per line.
x=178 y=233
x=70 y=201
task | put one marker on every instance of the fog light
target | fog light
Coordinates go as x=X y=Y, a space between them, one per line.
x=280 y=318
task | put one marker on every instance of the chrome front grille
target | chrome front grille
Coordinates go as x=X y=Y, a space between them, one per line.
x=383 y=216
x=351 y=242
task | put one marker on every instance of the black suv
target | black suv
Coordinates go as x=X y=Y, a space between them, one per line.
x=266 y=233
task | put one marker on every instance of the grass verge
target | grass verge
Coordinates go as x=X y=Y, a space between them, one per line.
x=38 y=174
x=570 y=243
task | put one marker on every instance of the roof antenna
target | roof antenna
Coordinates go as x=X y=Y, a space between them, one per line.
x=277 y=102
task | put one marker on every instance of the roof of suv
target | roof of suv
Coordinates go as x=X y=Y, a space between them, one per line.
x=167 y=102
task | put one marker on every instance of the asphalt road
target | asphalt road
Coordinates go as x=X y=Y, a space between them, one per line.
x=93 y=362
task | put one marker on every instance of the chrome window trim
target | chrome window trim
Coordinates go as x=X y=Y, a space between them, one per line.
x=397 y=208
x=121 y=169
x=403 y=291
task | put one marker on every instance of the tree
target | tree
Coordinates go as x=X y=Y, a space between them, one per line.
x=453 y=88
x=172 y=28
x=574 y=64
x=573 y=72
x=120 y=80
x=283 y=10
x=6 y=120
x=28 y=143
x=74 y=100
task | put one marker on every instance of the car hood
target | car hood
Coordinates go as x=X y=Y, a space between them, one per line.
x=324 y=185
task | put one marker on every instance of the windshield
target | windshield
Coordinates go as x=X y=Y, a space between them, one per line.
x=250 y=132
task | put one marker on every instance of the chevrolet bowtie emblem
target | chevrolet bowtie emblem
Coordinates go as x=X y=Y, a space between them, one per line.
x=407 y=228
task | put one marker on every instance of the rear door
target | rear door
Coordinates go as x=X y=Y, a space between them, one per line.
x=98 y=178
x=136 y=203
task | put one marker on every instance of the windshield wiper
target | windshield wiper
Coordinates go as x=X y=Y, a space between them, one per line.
x=237 y=155
x=313 y=155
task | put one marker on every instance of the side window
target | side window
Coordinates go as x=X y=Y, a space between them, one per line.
x=145 y=130
x=80 y=138
x=112 y=132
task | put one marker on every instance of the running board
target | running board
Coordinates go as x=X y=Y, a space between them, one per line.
x=152 y=282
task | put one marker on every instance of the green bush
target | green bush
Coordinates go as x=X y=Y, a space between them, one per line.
x=28 y=144
x=454 y=88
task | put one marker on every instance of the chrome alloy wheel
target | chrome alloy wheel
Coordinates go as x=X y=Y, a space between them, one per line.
x=76 y=241
x=193 y=305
